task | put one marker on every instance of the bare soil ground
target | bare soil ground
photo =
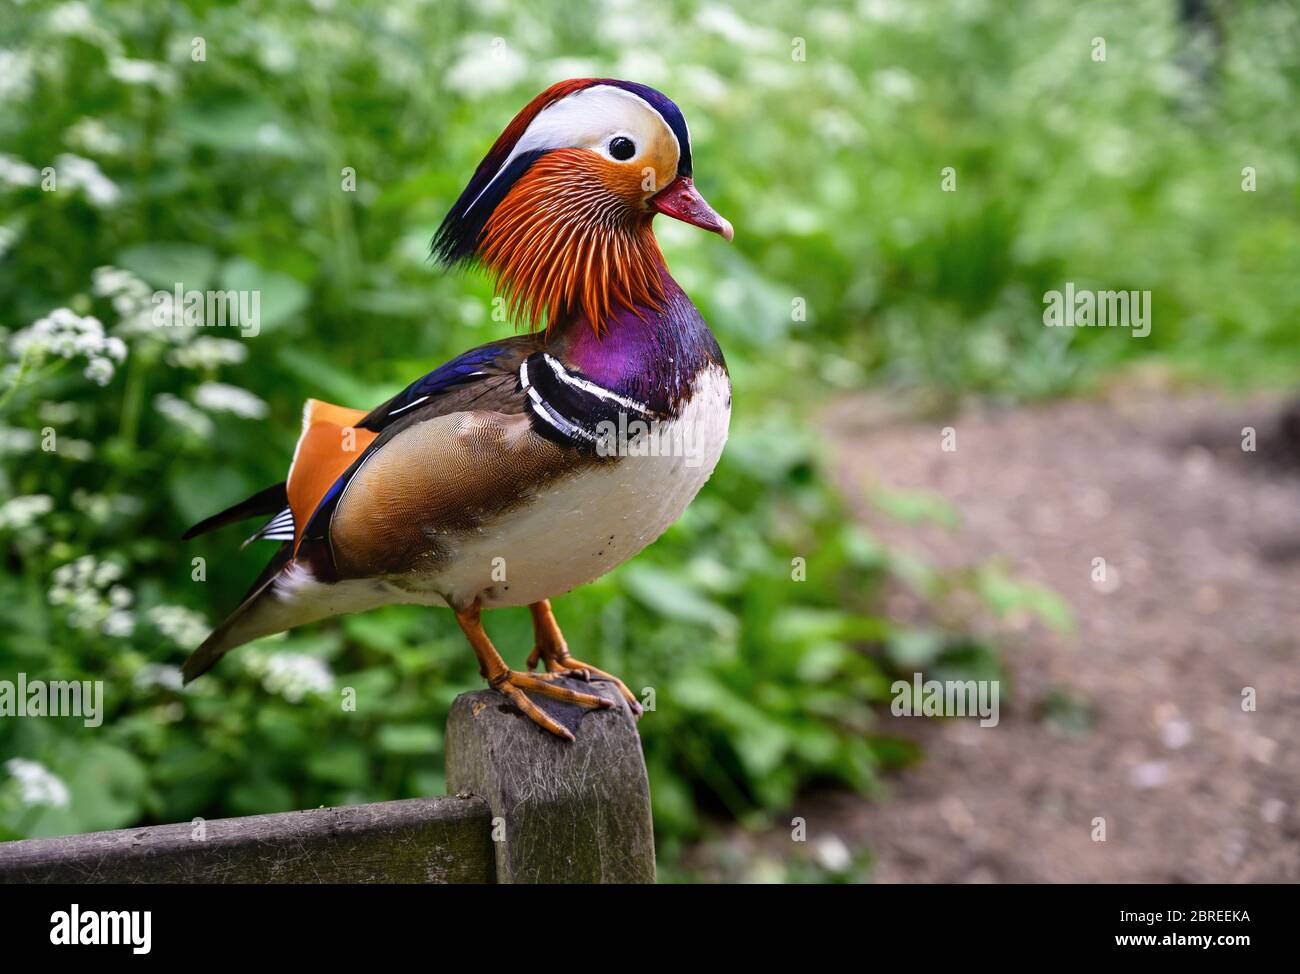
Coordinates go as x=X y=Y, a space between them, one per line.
x=1201 y=600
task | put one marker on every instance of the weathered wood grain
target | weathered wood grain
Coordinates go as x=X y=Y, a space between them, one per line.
x=572 y=812
x=418 y=840
x=568 y=812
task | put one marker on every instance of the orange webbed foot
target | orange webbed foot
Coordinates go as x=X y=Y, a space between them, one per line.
x=550 y=648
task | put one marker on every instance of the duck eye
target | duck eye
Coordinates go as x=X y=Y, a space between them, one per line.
x=621 y=148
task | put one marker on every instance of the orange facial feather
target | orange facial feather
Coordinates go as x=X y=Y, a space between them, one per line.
x=573 y=236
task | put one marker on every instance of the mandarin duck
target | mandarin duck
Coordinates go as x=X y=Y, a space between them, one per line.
x=523 y=468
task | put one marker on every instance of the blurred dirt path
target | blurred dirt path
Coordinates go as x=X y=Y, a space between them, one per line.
x=1202 y=599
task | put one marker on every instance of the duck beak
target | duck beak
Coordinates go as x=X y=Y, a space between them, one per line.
x=680 y=201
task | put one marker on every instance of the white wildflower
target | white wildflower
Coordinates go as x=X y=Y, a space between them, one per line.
x=158 y=675
x=115 y=349
x=93 y=136
x=883 y=11
x=160 y=318
x=57 y=413
x=20 y=512
x=292 y=675
x=77 y=172
x=134 y=72
x=206 y=352
x=15 y=75
x=131 y=297
x=15 y=172
x=275 y=54
x=7 y=237
x=66 y=575
x=37 y=784
x=119 y=623
x=895 y=84
x=99 y=371
x=705 y=85
x=14 y=440
x=184 y=415
x=154 y=314
x=183 y=626
x=485 y=66
x=220 y=397
x=72 y=19
x=85 y=587
x=113 y=282
x=733 y=28
x=832 y=854
x=104 y=573
x=272 y=136
x=62 y=332
x=69 y=335
x=71 y=449
x=106 y=508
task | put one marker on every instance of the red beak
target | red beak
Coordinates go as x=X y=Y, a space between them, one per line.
x=680 y=201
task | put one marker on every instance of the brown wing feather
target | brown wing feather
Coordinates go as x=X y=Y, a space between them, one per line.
x=440 y=476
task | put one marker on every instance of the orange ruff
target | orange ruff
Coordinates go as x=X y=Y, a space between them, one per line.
x=573 y=236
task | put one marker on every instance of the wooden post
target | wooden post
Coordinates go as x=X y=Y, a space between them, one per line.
x=562 y=812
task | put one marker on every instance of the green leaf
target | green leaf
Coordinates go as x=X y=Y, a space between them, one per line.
x=238 y=127
x=105 y=787
x=1005 y=595
x=279 y=296
x=409 y=739
x=165 y=265
x=327 y=379
x=665 y=594
x=915 y=506
x=913 y=648
x=198 y=493
x=345 y=765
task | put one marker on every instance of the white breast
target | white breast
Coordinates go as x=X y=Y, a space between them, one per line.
x=584 y=526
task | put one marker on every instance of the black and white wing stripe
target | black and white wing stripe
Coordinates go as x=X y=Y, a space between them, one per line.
x=279 y=528
x=572 y=410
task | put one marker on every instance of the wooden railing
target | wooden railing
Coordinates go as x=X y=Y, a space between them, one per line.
x=525 y=807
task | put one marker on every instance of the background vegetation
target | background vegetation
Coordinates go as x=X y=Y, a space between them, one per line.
x=851 y=267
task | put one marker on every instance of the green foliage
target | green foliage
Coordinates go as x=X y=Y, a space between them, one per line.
x=229 y=172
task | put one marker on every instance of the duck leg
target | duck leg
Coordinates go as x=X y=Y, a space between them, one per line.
x=513 y=683
x=550 y=647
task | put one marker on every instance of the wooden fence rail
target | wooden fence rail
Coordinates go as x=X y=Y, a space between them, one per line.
x=526 y=808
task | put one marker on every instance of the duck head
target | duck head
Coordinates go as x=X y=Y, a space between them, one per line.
x=560 y=209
